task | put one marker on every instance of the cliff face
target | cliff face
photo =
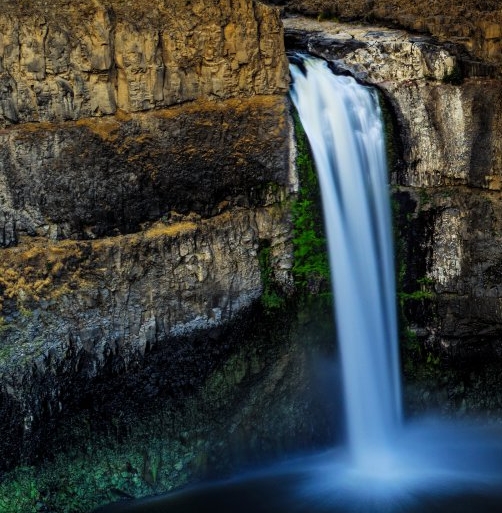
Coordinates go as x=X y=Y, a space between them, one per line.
x=145 y=161
x=107 y=176
x=62 y=63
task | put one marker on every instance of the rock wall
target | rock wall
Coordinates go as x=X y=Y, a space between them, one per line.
x=77 y=311
x=447 y=171
x=60 y=62
x=106 y=176
x=145 y=161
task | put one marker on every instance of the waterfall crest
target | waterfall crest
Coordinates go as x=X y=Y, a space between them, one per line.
x=342 y=121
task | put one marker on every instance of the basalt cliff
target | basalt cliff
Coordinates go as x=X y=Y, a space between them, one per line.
x=474 y=25
x=444 y=115
x=145 y=161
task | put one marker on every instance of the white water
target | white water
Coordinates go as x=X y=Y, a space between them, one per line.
x=342 y=121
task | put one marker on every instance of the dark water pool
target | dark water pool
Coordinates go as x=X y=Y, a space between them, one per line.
x=277 y=494
x=444 y=476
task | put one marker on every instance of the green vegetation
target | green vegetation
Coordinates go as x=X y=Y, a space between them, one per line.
x=311 y=266
x=419 y=363
x=423 y=196
x=423 y=292
x=81 y=481
x=4 y=325
x=271 y=297
x=167 y=443
x=389 y=126
x=328 y=15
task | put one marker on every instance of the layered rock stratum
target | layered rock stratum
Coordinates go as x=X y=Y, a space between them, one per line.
x=474 y=25
x=58 y=62
x=145 y=162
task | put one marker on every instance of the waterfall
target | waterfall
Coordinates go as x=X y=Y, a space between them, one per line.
x=342 y=120
x=432 y=466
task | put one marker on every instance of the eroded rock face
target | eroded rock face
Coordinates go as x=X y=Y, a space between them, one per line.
x=74 y=312
x=371 y=53
x=64 y=63
x=88 y=309
x=448 y=131
x=145 y=161
x=100 y=177
x=447 y=175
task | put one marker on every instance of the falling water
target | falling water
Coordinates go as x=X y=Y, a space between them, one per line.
x=343 y=123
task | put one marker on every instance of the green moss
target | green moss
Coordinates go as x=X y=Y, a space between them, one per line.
x=24 y=311
x=311 y=266
x=134 y=458
x=271 y=298
x=416 y=358
x=168 y=444
x=78 y=483
x=4 y=325
x=419 y=362
x=20 y=493
x=423 y=196
x=328 y=15
x=393 y=144
x=424 y=290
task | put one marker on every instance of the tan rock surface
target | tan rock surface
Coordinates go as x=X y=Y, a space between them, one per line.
x=69 y=61
x=145 y=160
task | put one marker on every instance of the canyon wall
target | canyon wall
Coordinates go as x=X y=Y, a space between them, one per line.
x=145 y=163
x=58 y=62
x=473 y=25
x=110 y=59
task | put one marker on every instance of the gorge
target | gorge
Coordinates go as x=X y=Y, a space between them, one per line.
x=131 y=247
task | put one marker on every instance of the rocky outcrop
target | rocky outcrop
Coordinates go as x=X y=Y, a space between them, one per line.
x=246 y=393
x=75 y=311
x=98 y=177
x=80 y=297
x=374 y=54
x=448 y=121
x=447 y=172
x=472 y=25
